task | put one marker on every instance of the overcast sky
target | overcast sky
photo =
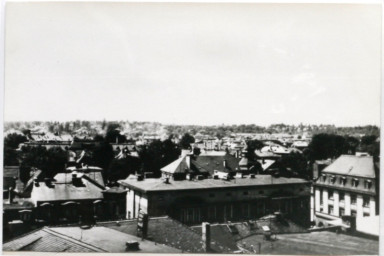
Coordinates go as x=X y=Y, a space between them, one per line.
x=193 y=63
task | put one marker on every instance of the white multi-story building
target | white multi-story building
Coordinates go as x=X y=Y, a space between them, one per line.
x=347 y=187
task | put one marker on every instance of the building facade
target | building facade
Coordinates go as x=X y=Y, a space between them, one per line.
x=216 y=200
x=347 y=187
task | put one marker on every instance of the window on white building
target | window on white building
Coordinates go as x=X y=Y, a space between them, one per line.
x=365 y=201
x=355 y=182
x=324 y=177
x=367 y=184
x=353 y=199
x=331 y=210
x=341 y=196
x=330 y=194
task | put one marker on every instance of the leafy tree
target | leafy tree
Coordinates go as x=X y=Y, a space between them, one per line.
x=294 y=164
x=24 y=173
x=157 y=155
x=325 y=146
x=102 y=156
x=13 y=140
x=186 y=140
x=252 y=145
x=122 y=168
x=10 y=157
x=50 y=161
x=98 y=138
x=113 y=134
x=370 y=145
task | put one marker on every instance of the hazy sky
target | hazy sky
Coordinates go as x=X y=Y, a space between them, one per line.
x=193 y=63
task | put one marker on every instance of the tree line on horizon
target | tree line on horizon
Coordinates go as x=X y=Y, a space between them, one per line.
x=220 y=131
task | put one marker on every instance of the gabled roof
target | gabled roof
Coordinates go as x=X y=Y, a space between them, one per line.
x=204 y=163
x=177 y=166
x=359 y=166
x=266 y=164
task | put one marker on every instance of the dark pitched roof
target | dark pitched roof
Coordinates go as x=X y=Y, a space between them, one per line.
x=165 y=230
x=211 y=163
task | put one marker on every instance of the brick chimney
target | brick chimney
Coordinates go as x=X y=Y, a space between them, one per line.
x=206 y=236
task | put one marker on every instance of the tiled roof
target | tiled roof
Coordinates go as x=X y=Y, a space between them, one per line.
x=111 y=240
x=152 y=184
x=44 y=240
x=165 y=230
x=360 y=166
x=75 y=239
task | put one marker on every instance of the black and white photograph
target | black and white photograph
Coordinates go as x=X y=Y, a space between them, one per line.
x=191 y=127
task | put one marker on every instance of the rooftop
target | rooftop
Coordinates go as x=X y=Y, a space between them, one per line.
x=230 y=233
x=62 y=188
x=152 y=184
x=203 y=163
x=359 y=166
x=75 y=239
x=165 y=230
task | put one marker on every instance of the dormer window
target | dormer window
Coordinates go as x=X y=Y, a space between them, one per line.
x=333 y=179
x=367 y=184
x=355 y=182
x=324 y=177
x=343 y=181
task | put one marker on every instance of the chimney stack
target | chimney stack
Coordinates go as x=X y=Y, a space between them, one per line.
x=188 y=160
x=10 y=195
x=206 y=236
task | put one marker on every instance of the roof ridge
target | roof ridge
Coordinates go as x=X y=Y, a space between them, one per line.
x=71 y=239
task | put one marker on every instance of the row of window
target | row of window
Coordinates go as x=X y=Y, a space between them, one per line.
x=343 y=181
x=245 y=193
x=342 y=198
x=342 y=212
